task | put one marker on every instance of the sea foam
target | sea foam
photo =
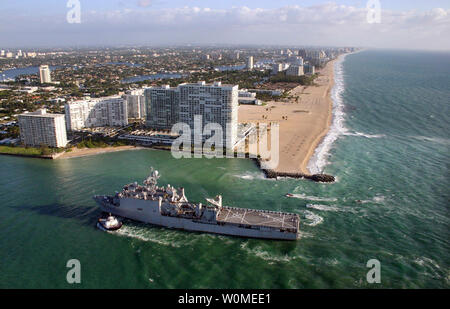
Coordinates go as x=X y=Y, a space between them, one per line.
x=314 y=198
x=313 y=218
x=322 y=207
x=147 y=235
x=363 y=134
x=319 y=160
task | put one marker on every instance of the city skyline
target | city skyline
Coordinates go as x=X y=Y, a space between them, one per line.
x=157 y=22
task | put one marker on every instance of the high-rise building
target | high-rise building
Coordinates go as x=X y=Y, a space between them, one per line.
x=215 y=103
x=135 y=103
x=237 y=55
x=250 y=63
x=162 y=107
x=99 y=112
x=44 y=72
x=303 y=53
x=310 y=69
x=39 y=128
x=295 y=60
x=277 y=68
x=295 y=70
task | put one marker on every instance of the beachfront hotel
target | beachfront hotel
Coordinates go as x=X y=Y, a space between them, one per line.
x=99 y=112
x=44 y=73
x=39 y=128
x=216 y=103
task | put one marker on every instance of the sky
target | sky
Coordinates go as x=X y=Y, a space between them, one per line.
x=413 y=24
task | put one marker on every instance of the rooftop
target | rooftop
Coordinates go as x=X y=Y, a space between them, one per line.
x=41 y=113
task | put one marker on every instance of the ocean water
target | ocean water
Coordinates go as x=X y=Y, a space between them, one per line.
x=388 y=148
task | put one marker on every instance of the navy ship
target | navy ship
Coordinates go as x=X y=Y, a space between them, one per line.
x=169 y=207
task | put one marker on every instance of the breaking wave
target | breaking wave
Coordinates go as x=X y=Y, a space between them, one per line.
x=319 y=160
x=363 y=134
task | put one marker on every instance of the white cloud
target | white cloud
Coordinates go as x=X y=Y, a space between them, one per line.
x=144 y=3
x=326 y=24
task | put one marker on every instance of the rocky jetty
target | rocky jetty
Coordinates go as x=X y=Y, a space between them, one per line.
x=315 y=177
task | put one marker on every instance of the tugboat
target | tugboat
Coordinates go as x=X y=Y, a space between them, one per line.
x=289 y=195
x=109 y=224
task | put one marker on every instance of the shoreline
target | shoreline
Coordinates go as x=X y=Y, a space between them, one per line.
x=76 y=153
x=84 y=152
x=319 y=139
x=322 y=146
x=304 y=121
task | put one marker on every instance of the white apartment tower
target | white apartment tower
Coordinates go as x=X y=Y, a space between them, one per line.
x=39 y=128
x=250 y=63
x=215 y=103
x=135 y=104
x=44 y=72
x=99 y=112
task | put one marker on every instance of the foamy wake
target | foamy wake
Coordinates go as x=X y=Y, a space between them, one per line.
x=313 y=218
x=322 y=207
x=424 y=261
x=145 y=234
x=379 y=199
x=251 y=176
x=258 y=251
x=320 y=158
x=314 y=198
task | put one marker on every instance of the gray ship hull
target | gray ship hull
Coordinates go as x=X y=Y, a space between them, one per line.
x=149 y=211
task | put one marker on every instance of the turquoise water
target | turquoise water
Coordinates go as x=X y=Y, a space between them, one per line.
x=391 y=154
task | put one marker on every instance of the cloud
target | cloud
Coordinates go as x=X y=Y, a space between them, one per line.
x=145 y=3
x=325 y=24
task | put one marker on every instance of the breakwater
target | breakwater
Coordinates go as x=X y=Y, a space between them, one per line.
x=315 y=177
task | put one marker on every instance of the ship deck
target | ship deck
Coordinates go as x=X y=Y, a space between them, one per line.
x=258 y=218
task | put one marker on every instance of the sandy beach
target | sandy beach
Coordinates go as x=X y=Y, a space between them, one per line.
x=76 y=152
x=308 y=120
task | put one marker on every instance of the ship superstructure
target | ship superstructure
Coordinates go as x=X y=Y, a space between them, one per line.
x=168 y=206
